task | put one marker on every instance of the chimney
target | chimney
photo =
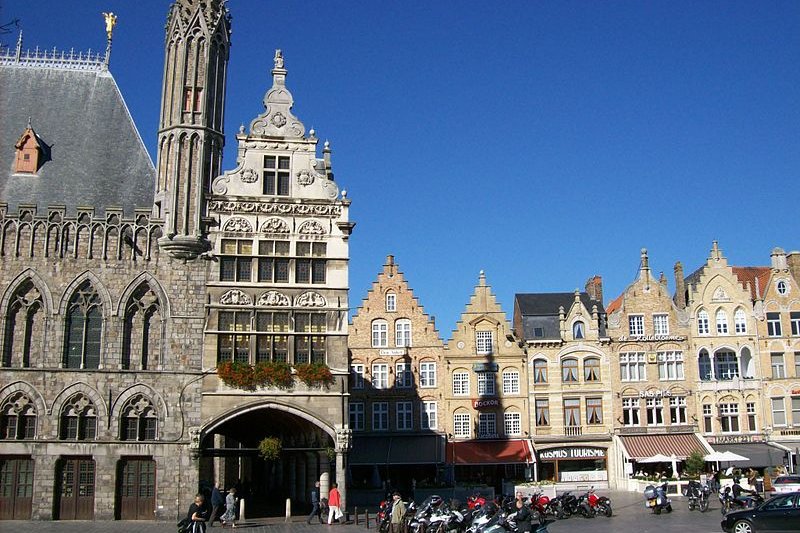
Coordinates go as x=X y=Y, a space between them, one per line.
x=594 y=288
x=680 y=286
x=793 y=261
x=778 y=257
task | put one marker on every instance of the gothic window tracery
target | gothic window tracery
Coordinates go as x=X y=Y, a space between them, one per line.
x=78 y=419
x=17 y=417
x=24 y=327
x=84 y=327
x=141 y=340
x=138 y=420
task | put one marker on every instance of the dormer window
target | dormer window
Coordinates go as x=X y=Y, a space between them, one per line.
x=28 y=154
x=577 y=330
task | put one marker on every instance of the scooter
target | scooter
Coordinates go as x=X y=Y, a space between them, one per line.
x=656 y=498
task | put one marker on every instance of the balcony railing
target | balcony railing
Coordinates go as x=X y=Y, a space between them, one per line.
x=573 y=431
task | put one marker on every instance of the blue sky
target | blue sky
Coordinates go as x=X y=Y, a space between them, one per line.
x=542 y=142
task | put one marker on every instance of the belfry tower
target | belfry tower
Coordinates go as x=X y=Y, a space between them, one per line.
x=190 y=134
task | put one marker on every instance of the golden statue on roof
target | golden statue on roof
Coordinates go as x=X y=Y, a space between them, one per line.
x=111 y=21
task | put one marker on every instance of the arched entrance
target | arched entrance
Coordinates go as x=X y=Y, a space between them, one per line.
x=230 y=457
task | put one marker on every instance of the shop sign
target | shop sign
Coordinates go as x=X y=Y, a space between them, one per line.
x=482 y=403
x=572 y=453
x=651 y=338
x=392 y=351
x=655 y=394
x=485 y=367
x=735 y=439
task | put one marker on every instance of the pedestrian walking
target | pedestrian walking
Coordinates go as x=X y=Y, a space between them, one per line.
x=217 y=504
x=315 y=510
x=334 y=501
x=197 y=516
x=230 y=508
x=398 y=513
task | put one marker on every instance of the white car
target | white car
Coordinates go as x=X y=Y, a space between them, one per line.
x=788 y=483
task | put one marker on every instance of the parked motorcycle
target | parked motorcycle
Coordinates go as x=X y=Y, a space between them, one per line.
x=600 y=504
x=585 y=509
x=656 y=498
x=564 y=505
x=542 y=504
x=697 y=495
x=421 y=519
x=481 y=515
x=384 y=516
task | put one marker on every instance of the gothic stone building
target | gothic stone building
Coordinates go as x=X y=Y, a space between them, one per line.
x=124 y=285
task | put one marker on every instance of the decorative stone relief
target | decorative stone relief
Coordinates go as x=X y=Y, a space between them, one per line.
x=220 y=185
x=344 y=439
x=614 y=320
x=248 y=175
x=274 y=208
x=238 y=225
x=235 y=297
x=310 y=299
x=305 y=177
x=720 y=294
x=274 y=225
x=273 y=299
x=311 y=227
x=278 y=120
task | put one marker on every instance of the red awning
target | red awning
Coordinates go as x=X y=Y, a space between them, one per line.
x=490 y=452
x=680 y=444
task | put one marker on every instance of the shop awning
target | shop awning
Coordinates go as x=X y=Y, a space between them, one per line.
x=639 y=447
x=490 y=452
x=397 y=450
x=759 y=454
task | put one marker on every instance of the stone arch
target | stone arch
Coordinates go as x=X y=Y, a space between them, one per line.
x=89 y=276
x=39 y=240
x=32 y=392
x=38 y=282
x=135 y=283
x=230 y=414
x=146 y=390
x=67 y=392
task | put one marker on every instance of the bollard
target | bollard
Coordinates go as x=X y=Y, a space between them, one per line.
x=242 y=514
x=288 y=510
x=355 y=510
x=366 y=518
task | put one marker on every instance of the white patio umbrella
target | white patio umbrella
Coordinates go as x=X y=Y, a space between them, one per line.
x=730 y=456
x=657 y=458
x=715 y=456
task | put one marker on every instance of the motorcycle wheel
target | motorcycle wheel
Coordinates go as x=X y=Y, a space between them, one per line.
x=668 y=508
x=703 y=506
x=608 y=511
x=384 y=527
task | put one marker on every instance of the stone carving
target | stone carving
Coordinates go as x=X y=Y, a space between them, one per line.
x=278 y=120
x=344 y=439
x=235 y=297
x=274 y=208
x=310 y=299
x=238 y=225
x=194 y=441
x=305 y=177
x=720 y=294
x=273 y=299
x=249 y=175
x=278 y=58
x=274 y=225
x=220 y=185
x=311 y=227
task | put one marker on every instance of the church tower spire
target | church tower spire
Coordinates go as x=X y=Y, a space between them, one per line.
x=190 y=135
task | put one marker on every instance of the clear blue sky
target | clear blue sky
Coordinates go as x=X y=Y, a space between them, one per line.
x=543 y=142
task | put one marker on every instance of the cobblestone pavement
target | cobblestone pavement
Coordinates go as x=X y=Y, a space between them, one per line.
x=629 y=515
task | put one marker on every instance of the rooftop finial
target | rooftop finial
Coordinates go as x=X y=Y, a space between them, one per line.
x=19 y=45
x=278 y=58
x=111 y=21
x=29 y=122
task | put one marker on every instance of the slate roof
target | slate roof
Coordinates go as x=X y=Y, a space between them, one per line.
x=96 y=155
x=540 y=310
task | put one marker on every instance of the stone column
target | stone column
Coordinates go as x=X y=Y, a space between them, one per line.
x=341 y=463
x=44 y=485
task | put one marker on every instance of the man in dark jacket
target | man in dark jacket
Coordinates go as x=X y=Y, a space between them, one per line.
x=217 y=504
x=315 y=511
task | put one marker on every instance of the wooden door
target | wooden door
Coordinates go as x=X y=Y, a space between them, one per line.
x=76 y=489
x=16 y=488
x=136 y=489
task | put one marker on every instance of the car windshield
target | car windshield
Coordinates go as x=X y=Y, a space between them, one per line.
x=786 y=479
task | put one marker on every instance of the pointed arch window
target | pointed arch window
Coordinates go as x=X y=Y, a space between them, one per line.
x=78 y=419
x=740 y=321
x=577 y=330
x=24 y=327
x=84 y=329
x=141 y=337
x=702 y=322
x=139 y=420
x=17 y=417
x=722 y=322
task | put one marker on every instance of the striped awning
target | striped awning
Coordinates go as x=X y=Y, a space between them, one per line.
x=639 y=447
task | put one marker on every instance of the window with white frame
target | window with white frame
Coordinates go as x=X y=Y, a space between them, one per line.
x=511 y=382
x=794 y=320
x=778 y=367
x=380 y=334
x=729 y=417
x=460 y=384
x=655 y=411
x=357 y=375
x=402 y=332
x=380 y=416
x=726 y=365
x=540 y=371
x=778 y=412
x=594 y=411
x=774 y=324
x=487 y=425
x=380 y=376
x=677 y=410
x=542 y=412
x=462 y=425
x=403 y=379
x=670 y=365
x=795 y=410
x=636 y=324
x=428 y=415
x=707 y=418
x=427 y=374
x=484 y=342
x=486 y=382
x=702 y=322
x=391 y=302
x=751 y=416
x=722 y=322
x=512 y=424
x=405 y=416
x=630 y=411
x=740 y=321
x=357 y=416
x=632 y=366
x=661 y=324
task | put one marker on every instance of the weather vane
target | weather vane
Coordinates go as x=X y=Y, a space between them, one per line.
x=111 y=21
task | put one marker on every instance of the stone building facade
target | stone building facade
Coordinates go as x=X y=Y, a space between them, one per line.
x=397 y=374
x=126 y=285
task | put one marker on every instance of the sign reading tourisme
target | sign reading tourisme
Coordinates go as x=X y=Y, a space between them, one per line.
x=572 y=453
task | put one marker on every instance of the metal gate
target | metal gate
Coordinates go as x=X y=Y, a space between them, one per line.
x=16 y=488
x=136 y=489
x=75 y=489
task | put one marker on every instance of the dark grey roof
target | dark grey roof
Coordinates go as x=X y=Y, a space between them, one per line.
x=96 y=156
x=540 y=313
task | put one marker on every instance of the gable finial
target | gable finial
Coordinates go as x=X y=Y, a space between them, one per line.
x=19 y=46
x=278 y=58
x=111 y=21
x=29 y=122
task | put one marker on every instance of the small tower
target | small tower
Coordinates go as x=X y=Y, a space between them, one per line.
x=190 y=135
